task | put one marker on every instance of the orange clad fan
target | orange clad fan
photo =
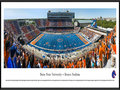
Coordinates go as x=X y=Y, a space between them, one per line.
x=84 y=62
x=78 y=63
x=114 y=47
x=100 y=55
x=81 y=64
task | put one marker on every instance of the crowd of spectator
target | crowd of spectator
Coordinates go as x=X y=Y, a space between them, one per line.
x=88 y=33
x=41 y=22
x=28 y=32
x=15 y=56
x=59 y=30
x=60 y=23
x=53 y=23
x=12 y=26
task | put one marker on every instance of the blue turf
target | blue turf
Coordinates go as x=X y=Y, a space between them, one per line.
x=60 y=42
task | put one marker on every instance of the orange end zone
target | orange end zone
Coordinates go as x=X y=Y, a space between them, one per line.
x=35 y=40
x=81 y=38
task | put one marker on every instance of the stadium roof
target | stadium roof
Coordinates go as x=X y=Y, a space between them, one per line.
x=85 y=21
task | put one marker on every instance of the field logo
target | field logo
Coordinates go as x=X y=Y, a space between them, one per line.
x=113 y=74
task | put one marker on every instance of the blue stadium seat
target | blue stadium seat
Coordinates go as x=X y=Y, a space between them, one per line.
x=28 y=27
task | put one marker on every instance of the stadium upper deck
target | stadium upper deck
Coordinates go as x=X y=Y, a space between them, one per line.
x=59 y=21
x=60 y=15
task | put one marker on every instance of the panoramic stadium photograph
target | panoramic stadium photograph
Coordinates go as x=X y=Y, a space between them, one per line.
x=59 y=38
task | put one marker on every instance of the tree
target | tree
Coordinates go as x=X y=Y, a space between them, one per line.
x=106 y=24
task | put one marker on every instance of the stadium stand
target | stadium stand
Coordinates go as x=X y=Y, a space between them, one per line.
x=53 y=45
x=32 y=27
x=88 y=33
x=28 y=28
x=29 y=36
x=16 y=25
x=24 y=29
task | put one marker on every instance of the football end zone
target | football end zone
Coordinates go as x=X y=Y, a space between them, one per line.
x=37 y=39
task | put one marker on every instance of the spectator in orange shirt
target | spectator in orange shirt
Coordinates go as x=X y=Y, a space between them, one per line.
x=68 y=65
x=113 y=53
x=47 y=66
x=104 y=47
x=54 y=65
x=114 y=47
x=84 y=62
x=81 y=64
x=78 y=64
x=105 y=39
x=100 y=55
x=75 y=65
x=96 y=49
x=41 y=63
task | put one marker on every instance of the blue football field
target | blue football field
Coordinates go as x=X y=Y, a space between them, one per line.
x=59 y=43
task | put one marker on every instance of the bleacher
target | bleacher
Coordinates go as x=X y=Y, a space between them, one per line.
x=26 y=41
x=7 y=26
x=53 y=23
x=88 y=33
x=47 y=23
x=27 y=31
x=28 y=27
x=24 y=29
x=13 y=26
x=14 y=29
x=32 y=27
x=59 y=30
x=59 y=23
x=29 y=36
x=33 y=34
x=37 y=32
x=40 y=22
x=16 y=25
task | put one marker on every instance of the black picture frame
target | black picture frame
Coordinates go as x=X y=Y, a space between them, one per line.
x=59 y=1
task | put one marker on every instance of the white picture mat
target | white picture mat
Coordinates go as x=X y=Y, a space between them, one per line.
x=34 y=73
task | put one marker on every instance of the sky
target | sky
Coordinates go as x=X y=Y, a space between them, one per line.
x=83 y=13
